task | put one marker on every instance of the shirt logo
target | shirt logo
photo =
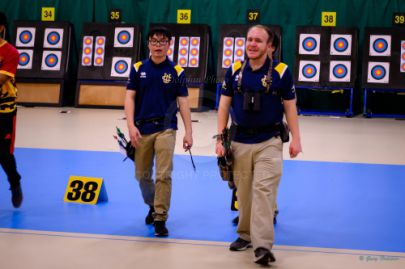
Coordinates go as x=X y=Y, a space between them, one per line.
x=224 y=85
x=143 y=75
x=264 y=81
x=166 y=78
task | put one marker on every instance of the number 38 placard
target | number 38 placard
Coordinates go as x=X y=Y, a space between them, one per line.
x=85 y=190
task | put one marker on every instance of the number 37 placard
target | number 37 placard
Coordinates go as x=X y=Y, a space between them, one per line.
x=85 y=190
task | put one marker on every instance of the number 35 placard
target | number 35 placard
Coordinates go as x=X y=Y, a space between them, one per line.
x=85 y=190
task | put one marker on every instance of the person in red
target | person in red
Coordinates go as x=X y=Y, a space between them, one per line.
x=9 y=57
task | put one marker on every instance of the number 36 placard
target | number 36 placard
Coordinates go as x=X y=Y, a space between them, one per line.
x=85 y=190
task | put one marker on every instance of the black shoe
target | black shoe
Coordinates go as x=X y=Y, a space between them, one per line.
x=240 y=244
x=263 y=256
x=149 y=218
x=160 y=228
x=16 y=196
x=235 y=220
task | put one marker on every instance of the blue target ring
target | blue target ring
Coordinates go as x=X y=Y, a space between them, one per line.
x=340 y=71
x=378 y=72
x=53 y=38
x=24 y=59
x=123 y=37
x=309 y=70
x=309 y=44
x=380 y=45
x=25 y=37
x=340 y=44
x=51 y=60
x=121 y=66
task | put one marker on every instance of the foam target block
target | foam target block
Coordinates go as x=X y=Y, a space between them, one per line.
x=232 y=44
x=384 y=58
x=101 y=43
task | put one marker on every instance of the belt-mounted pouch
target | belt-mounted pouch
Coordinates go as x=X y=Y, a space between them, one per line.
x=284 y=131
x=252 y=101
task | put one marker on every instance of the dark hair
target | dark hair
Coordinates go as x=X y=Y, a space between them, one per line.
x=268 y=31
x=3 y=19
x=276 y=42
x=159 y=31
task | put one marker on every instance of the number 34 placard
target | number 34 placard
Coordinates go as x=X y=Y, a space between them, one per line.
x=85 y=190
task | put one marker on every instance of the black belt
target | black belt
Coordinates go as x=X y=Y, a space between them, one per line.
x=7 y=100
x=157 y=121
x=3 y=107
x=257 y=130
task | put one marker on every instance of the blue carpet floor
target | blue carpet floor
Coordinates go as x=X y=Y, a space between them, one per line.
x=322 y=204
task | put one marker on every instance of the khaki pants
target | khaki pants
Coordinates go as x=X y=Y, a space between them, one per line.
x=157 y=195
x=257 y=172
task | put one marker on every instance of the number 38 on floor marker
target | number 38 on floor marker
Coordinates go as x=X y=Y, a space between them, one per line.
x=85 y=190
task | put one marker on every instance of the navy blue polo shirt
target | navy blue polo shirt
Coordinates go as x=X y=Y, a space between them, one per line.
x=271 y=112
x=157 y=87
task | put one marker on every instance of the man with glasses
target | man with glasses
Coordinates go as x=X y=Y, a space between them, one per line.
x=156 y=86
x=9 y=58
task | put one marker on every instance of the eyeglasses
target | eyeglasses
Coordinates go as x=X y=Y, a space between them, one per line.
x=155 y=42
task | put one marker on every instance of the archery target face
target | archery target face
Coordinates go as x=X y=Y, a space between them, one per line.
x=184 y=42
x=25 y=37
x=51 y=60
x=53 y=38
x=402 y=62
x=339 y=71
x=227 y=52
x=120 y=66
x=378 y=72
x=309 y=44
x=380 y=45
x=123 y=37
x=239 y=52
x=309 y=71
x=194 y=52
x=25 y=60
x=99 y=51
x=341 y=45
x=170 y=52
x=87 y=54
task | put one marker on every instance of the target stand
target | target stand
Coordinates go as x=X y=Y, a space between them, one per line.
x=107 y=55
x=325 y=70
x=384 y=73
x=44 y=60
